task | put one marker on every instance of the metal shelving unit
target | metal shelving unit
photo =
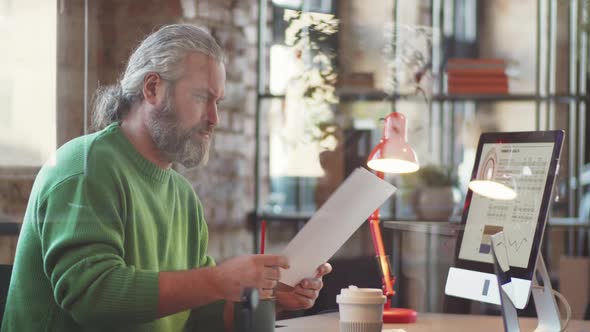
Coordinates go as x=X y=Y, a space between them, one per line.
x=450 y=18
x=383 y=96
x=545 y=97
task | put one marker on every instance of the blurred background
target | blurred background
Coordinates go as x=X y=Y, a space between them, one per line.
x=308 y=82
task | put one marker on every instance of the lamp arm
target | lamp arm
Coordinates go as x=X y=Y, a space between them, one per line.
x=380 y=249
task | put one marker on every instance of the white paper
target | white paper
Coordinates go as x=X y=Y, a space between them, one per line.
x=340 y=216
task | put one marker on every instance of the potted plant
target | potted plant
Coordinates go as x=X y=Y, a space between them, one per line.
x=435 y=192
x=314 y=36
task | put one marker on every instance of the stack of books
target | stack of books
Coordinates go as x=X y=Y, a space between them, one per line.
x=476 y=76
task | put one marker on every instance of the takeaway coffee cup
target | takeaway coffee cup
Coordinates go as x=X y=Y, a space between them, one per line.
x=361 y=309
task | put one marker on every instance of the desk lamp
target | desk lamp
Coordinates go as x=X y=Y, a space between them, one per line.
x=492 y=185
x=492 y=189
x=393 y=154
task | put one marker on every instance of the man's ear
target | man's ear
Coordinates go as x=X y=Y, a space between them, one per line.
x=151 y=84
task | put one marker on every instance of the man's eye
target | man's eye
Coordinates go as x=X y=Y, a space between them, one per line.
x=202 y=98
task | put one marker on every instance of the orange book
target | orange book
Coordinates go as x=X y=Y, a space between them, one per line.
x=477 y=71
x=490 y=89
x=473 y=67
x=458 y=62
x=480 y=80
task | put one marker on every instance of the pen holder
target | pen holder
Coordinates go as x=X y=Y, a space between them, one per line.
x=262 y=318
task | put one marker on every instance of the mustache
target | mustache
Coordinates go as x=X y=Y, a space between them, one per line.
x=168 y=115
x=206 y=128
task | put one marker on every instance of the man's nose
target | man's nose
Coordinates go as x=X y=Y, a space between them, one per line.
x=212 y=114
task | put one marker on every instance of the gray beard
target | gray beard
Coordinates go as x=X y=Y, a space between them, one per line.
x=176 y=144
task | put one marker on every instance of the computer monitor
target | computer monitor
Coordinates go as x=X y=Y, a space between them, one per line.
x=527 y=163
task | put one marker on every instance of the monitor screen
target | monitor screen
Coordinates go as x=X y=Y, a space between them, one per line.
x=523 y=167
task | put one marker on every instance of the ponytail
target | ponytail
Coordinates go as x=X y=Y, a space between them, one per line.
x=110 y=105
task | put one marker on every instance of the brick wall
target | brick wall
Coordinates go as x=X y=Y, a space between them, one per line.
x=226 y=184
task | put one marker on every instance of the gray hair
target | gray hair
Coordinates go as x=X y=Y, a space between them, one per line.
x=161 y=52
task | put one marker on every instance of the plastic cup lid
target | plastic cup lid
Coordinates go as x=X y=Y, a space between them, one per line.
x=355 y=295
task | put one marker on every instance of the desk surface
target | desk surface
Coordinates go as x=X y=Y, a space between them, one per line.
x=426 y=322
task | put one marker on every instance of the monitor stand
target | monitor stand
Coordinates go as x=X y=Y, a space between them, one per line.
x=547 y=311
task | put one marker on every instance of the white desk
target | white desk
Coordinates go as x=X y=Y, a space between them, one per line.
x=426 y=323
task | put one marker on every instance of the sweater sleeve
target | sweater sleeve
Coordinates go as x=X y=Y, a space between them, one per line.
x=81 y=228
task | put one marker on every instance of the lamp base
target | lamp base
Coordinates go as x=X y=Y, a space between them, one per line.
x=399 y=316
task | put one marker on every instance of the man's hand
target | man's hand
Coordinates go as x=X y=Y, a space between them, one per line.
x=251 y=271
x=304 y=294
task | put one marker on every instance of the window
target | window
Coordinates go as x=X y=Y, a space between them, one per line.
x=27 y=82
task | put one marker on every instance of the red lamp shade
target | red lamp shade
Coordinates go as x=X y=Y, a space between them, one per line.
x=393 y=154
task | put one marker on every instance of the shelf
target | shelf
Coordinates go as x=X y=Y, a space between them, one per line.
x=9 y=226
x=382 y=96
x=430 y=227
x=297 y=217
x=289 y=217
x=452 y=228
x=569 y=222
x=563 y=98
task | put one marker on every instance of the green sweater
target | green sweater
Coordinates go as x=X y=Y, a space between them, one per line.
x=100 y=223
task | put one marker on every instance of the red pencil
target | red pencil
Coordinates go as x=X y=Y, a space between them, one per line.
x=262 y=236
